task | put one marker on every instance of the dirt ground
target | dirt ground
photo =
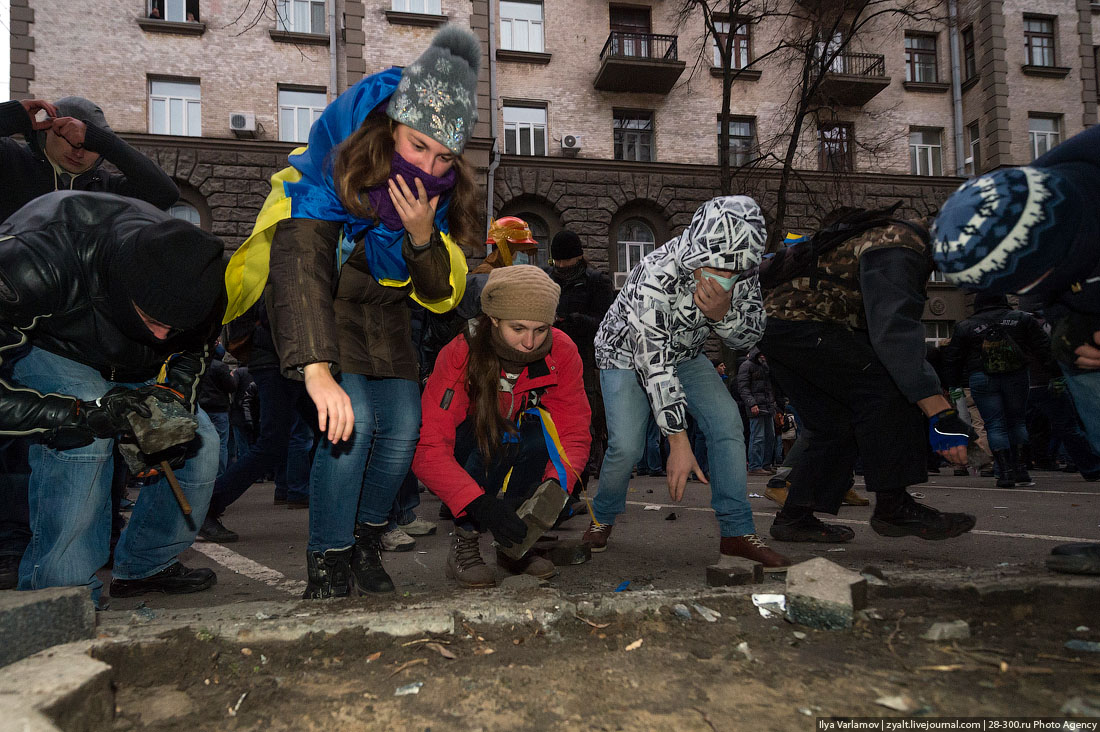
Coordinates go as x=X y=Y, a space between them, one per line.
x=655 y=671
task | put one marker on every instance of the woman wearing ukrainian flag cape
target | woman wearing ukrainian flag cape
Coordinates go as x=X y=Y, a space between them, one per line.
x=368 y=215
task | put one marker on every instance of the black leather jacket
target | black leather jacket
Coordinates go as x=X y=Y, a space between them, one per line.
x=55 y=254
x=962 y=355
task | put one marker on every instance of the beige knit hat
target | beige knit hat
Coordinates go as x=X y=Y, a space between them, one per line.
x=520 y=292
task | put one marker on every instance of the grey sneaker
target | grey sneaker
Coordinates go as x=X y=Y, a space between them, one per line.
x=397 y=540
x=418 y=527
x=464 y=562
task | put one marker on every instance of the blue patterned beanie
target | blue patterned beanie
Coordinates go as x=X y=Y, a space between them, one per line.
x=1004 y=230
x=437 y=94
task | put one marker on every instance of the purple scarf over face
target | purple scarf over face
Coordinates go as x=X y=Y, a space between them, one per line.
x=380 y=198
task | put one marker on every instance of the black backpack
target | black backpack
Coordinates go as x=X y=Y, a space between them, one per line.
x=799 y=258
x=1000 y=354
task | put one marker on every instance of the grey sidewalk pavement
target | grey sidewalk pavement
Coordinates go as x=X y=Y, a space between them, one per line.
x=1015 y=531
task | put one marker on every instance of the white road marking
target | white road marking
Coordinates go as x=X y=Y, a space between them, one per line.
x=242 y=565
x=996 y=490
x=852 y=522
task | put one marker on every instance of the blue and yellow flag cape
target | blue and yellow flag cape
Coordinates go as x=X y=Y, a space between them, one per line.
x=305 y=190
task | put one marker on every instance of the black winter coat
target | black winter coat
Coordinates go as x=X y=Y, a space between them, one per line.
x=55 y=294
x=962 y=356
x=754 y=383
x=585 y=298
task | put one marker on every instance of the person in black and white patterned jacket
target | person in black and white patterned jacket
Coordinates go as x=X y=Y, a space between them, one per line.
x=649 y=349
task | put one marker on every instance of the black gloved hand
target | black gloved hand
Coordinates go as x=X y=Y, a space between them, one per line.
x=491 y=514
x=106 y=416
x=164 y=394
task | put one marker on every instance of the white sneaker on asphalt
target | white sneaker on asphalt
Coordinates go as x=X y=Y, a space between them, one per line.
x=397 y=541
x=418 y=527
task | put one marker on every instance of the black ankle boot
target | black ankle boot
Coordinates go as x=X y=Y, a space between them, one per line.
x=329 y=574
x=1019 y=468
x=367 y=572
x=1003 y=460
x=897 y=514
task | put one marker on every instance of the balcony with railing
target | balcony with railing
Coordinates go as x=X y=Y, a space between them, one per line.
x=639 y=62
x=853 y=79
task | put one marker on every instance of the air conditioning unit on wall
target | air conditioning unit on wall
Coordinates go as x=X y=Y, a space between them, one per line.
x=243 y=124
x=571 y=142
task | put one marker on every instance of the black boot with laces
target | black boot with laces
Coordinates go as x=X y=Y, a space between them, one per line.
x=897 y=514
x=367 y=572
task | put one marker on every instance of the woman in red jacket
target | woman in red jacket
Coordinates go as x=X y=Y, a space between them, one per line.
x=504 y=411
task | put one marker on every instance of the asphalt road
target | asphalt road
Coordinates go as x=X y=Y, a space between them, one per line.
x=1016 y=529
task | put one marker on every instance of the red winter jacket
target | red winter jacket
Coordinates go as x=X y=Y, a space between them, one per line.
x=446 y=404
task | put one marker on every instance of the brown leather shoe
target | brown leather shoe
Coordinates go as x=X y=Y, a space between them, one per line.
x=778 y=495
x=851 y=498
x=751 y=546
x=596 y=535
x=464 y=562
x=531 y=564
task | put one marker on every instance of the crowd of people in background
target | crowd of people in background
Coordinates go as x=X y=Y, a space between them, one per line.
x=347 y=353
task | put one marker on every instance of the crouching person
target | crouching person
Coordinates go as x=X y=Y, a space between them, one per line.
x=649 y=349
x=100 y=293
x=504 y=412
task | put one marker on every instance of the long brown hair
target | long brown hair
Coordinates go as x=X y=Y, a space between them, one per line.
x=362 y=161
x=483 y=387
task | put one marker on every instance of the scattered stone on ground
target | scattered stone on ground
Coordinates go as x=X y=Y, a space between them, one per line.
x=824 y=595
x=33 y=620
x=954 y=630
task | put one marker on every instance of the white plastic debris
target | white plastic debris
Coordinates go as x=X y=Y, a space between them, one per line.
x=770 y=604
x=708 y=615
x=652 y=507
x=743 y=649
x=262 y=616
x=413 y=688
x=681 y=611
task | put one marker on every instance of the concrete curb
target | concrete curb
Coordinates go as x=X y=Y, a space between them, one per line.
x=65 y=689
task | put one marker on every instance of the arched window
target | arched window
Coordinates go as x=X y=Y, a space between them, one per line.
x=540 y=232
x=185 y=211
x=635 y=240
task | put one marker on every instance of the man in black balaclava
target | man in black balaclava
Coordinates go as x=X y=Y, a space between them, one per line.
x=586 y=295
x=100 y=294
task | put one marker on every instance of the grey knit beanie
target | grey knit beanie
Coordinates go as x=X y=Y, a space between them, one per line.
x=437 y=94
x=520 y=292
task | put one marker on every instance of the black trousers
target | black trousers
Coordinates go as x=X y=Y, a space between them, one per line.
x=850 y=406
x=526 y=458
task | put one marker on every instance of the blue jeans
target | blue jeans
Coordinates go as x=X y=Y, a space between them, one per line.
x=220 y=420
x=405 y=502
x=627 y=407
x=652 y=459
x=292 y=476
x=1085 y=387
x=70 y=495
x=761 y=441
x=1002 y=401
x=279 y=397
x=356 y=480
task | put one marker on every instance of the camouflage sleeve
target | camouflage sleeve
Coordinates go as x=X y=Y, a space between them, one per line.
x=743 y=325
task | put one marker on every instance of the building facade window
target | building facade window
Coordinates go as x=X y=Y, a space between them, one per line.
x=970 y=54
x=974 y=140
x=1039 y=41
x=1044 y=132
x=926 y=152
x=740 y=56
x=631 y=26
x=835 y=154
x=521 y=26
x=742 y=136
x=635 y=240
x=298 y=110
x=920 y=58
x=185 y=211
x=524 y=130
x=301 y=16
x=426 y=7
x=937 y=331
x=175 y=108
x=633 y=133
x=175 y=11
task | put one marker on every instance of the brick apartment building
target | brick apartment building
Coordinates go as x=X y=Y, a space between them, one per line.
x=605 y=116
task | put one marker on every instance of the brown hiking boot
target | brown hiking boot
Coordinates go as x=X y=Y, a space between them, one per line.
x=751 y=546
x=776 y=493
x=464 y=562
x=851 y=498
x=531 y=564
x=596 y=535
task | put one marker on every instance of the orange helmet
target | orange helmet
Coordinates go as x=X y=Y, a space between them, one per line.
x=511 y=229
